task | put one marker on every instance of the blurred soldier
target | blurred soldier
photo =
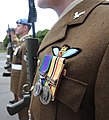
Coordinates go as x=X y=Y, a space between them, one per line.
x=18 y=73
x=13 y=43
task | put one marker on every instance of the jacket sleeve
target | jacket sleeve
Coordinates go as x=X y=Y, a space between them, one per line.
x=102 y=89
x=23 y=75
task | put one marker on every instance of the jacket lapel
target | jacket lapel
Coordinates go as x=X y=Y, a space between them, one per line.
x=59 y=29
x=85 y=7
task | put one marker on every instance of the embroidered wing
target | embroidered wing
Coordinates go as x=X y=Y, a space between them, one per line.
x=55 y=50
x=71 y=52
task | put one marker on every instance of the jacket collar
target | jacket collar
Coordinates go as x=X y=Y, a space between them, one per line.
x=24 y=37
x=86 y=6
x=59 y=29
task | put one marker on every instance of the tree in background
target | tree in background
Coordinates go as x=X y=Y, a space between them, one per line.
x=41 y=34
x=5 y=41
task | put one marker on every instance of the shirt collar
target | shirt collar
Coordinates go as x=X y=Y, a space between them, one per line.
x=23 y=38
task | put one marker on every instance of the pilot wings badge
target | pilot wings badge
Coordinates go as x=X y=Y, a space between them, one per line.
x=65 y=51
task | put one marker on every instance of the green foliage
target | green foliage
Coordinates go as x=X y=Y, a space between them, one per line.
x=5 y=41
x=41 y=34
x=2 y=51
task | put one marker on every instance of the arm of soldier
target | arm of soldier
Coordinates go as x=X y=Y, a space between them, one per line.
x=22 y=80
x=15 y=43
x=102 y=89
x=23 y=75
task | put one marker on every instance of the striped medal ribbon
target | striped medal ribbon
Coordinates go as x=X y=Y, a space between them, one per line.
x=52 y=80
x=54 y=74
x=38 y=87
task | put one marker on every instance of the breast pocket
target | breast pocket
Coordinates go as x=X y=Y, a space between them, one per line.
x=71 y=92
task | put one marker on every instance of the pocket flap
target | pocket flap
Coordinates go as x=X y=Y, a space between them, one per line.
x=71 y=92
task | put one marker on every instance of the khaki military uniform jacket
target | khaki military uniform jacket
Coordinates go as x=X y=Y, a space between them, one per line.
x=15 y=42
x=18 y=73
x=83 y=93
x=10 y=50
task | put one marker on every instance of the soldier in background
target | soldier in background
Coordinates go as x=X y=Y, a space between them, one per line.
x=13 y=43
x=19 y=72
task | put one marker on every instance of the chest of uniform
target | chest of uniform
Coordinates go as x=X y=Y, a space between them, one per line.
x=83 y=63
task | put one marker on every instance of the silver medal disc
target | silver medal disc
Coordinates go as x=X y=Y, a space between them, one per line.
x=37 y=88
x=45 y=97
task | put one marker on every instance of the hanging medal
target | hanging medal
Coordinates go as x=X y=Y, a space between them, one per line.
x=52 y=80
x=46 y=96
x=42 y=74
x=37 y=88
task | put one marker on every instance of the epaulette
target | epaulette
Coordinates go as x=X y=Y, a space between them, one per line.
x=105 y=2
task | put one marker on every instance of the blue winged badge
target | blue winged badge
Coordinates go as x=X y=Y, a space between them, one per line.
x=65 y=51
